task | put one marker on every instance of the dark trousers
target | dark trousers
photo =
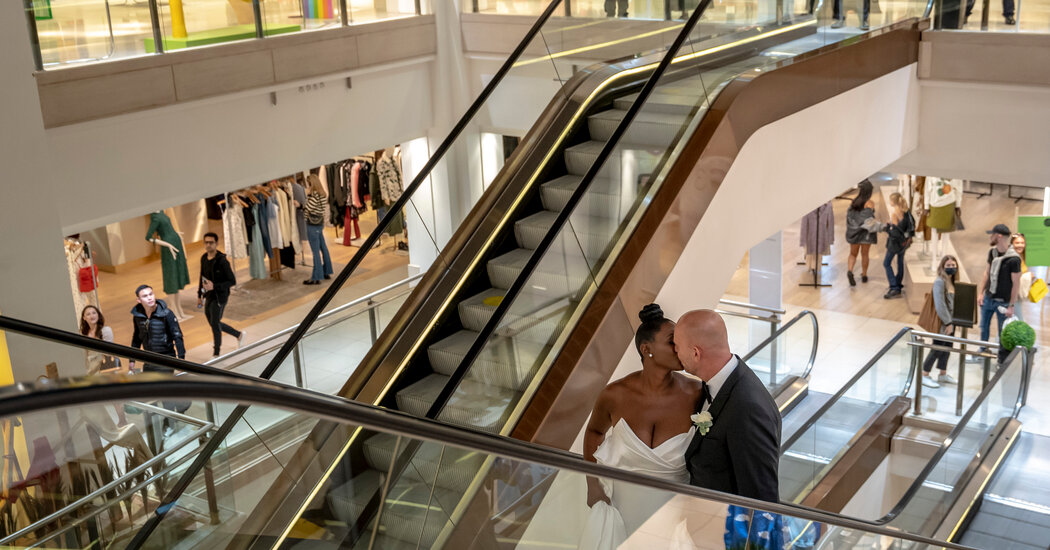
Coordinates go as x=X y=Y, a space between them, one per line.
x=836 y=9
x=1008 y=8
x=896 y=281
x=937 y=356
x=213 y=312
x=991 y=307
x=616 y=8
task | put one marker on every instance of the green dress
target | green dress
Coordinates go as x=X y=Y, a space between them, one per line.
x=175 y=271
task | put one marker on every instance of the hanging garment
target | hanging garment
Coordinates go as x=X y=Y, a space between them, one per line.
x=262 y=219
x=288 y=257
x=353 y=230
x=249 y=223
x=817 y=233
x=299 y=194
x=373 y=190
x=234 y=236
x=365 y=182
x=293 y=225
x=284 y=212
x=174 y=269
x=256 y=251
x=336 y=195
x=274 y=222
x=389 y=179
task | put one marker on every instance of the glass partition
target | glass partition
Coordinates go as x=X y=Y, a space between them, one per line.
x=787 y=353
x=83 y=490
x=86 y=31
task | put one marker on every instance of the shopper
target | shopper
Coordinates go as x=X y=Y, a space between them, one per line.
x=900 y=232
x=840 y=17
x=156 y=328
x=861 y=231
x=616 y=8
x=315 y=207
x=1025 y=281
x=93 y=325
x=213 y=291
x=943 y=301
x=1000 y=281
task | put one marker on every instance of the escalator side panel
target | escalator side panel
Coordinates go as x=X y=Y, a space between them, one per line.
x=564 y=398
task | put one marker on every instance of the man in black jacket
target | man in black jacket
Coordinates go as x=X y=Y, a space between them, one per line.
x=737 y=449
x=216 y=280
x=156 y=328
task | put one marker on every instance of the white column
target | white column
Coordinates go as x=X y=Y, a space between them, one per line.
x=764 y=281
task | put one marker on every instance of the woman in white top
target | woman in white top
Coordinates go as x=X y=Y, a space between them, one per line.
x=93 y=325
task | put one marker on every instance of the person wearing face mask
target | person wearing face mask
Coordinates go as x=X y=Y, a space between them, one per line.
x=943 y=300
x=1000 y=281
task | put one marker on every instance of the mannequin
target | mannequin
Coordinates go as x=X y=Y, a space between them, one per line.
x=943 y=207
x=388 y=167
x=173 y=266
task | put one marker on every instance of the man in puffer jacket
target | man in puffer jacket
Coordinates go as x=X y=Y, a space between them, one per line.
x=156 y=328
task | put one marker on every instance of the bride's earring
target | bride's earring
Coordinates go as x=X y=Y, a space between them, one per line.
x=650 y=355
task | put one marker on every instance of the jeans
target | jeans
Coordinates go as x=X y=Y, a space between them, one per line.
x=1008 y=8
x=315 y=234
x=611 y=8
x=896 y=281
x=990 y=306
x=936 y=356
x=213 y=312
x=836 y=9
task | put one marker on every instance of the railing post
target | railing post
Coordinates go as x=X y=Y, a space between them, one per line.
x=916 y=361
x=773 y=356
x=961 y=384
x=344 y=17
x=34 y=38
x=667 y=10
x=297 y=363
x=780 y=12
x=154 y=18
x=373 y=321
x=260 y=32
x=419 y=7
x=986 y=372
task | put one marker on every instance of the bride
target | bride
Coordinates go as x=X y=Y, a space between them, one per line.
x=641 y=423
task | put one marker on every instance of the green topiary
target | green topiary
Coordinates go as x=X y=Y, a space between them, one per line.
x=1017 y=333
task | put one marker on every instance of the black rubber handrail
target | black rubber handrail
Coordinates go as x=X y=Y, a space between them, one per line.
x=25 y=398
x=563 y=216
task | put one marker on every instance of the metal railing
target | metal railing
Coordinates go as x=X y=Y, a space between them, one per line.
x=918 y=345
x=772 y=343
x=157 y=30
x=239 y=357
x=25 y=398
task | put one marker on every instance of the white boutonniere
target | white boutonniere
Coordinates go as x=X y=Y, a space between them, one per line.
x=703 y=421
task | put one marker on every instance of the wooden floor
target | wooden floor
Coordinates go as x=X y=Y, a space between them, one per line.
x=116 y=291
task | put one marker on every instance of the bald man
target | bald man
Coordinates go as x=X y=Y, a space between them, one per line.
x=740 y=452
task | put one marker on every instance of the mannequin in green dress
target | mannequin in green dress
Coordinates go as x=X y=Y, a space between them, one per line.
x=173 y=266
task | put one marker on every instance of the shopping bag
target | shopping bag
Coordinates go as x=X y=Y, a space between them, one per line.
x=748 y=529
x=1038 y=291
x=928 y=318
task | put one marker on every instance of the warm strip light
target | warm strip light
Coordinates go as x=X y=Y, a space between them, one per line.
x=595 y=46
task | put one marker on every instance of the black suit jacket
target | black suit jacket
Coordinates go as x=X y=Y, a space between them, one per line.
x=741 y=452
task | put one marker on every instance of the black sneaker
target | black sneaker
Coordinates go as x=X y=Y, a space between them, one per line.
x=852 y=281
x=863 y=278
x=893 y=293
x=1011 y=21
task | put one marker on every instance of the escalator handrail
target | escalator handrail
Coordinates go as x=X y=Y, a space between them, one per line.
x=781 y=330
x=567 y=210
x=395 y=209
x=953 y=436
x=845 y=387
x=21 y=399
x=68 y=338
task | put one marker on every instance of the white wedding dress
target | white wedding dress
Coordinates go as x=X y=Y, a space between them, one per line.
x=564 y=520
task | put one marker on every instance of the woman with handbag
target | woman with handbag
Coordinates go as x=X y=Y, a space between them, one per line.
x=943 y=295
x=315 y=208
x=1027 y=278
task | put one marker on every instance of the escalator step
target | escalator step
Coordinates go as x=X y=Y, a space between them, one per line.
x=587 y=233
x=503 y=362
x=555 y=276
x=602 y=199
x=526 y=316
x=475 y=405
x=348 y=500
x=649 y=127
x=447 y=467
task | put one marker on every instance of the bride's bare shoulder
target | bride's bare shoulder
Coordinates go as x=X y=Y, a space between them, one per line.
x=688 y=381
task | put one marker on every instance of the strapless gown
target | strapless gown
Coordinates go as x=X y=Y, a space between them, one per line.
x=622 y=449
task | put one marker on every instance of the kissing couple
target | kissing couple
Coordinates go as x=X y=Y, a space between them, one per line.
x=717 y=429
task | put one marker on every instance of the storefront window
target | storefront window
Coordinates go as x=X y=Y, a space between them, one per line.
x=72 y=32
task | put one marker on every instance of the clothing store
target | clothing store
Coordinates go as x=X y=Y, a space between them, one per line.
x=266 y=232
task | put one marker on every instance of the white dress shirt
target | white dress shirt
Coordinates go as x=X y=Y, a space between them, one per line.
x=714 y=385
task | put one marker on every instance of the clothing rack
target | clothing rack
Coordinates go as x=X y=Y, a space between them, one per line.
x=818 y=262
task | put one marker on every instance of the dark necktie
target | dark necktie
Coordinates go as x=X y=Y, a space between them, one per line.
x=705 y=394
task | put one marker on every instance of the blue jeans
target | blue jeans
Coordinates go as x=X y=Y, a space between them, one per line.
x=315 y=234
x=896 y=281
x=990 y=306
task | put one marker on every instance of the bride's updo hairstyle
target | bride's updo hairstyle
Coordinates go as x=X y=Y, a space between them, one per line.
x=653 y=320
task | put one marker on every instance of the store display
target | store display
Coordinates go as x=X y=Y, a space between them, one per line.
x=173 y=267
x=943 y=200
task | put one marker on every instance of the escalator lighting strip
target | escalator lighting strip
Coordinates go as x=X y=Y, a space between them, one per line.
x=582 y=49
x=980 y=490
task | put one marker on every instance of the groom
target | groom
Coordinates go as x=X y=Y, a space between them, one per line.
x=740 y=451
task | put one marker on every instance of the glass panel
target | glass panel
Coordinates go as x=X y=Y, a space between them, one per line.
x=283 y=16
x=806 y=460
x=190 y=24
x=786 y=355
x=85 y=31
x=745 y=333
x=363 y=11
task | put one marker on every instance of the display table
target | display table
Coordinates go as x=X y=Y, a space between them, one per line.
x=218 y=36
x=918 y=274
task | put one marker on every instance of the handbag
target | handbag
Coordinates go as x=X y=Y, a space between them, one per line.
x=958 y=222
x=86 y=277
x=1038 y=291
x=928 y=318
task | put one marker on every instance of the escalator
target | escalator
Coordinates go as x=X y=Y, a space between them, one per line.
x=517 y=475
x=484 y=340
